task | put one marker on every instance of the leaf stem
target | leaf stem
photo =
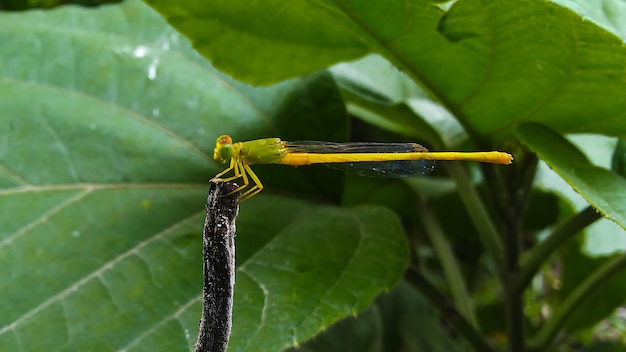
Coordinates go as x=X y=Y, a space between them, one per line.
x=447 y=310
x=514 y=304
x=512 y=189
x=451 y=269
x=477 y=212
x=561 y=233
x=596 y=280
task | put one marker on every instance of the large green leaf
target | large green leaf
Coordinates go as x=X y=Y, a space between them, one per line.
x=290 y=281
x=107 y=126
x=492 y=63
x=603 y=189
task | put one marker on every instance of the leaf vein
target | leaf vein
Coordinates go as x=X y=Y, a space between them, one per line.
x=98 y=186
x=155 y=327
x=44 y=217
x=123 y=110
x=107 y=266
x=14 y=175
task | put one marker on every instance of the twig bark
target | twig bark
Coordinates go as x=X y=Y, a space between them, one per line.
x=218 y=252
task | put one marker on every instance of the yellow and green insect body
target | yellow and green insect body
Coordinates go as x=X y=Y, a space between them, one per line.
x=382 y=159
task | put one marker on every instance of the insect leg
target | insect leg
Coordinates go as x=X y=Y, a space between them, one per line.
x=256 y=188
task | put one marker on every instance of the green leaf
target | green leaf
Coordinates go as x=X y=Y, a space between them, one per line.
x=399 y=320
x=411 y=324
x=603 y=189
x=577 y=266
x=492 y=64
x=313 y=272
x=592 y=298
x=377 y=79
x=398 y=118
x=362 y=333
x=108 y=125
x=115 y=77
x=618 y=162
x=543 y=210
x=378 y=93
x=307 y=36
x=610 y=14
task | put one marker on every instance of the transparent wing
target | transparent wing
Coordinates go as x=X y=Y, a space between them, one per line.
x=387 y=168
x=404 y=168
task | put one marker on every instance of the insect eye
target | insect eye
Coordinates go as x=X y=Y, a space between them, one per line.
x=224 y=139
x=226 y=152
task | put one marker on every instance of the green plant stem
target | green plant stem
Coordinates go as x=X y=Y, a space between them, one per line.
x=561 y=233
x=447 y=310
x=514 y=304
x=477 y=212
x=512 y=189
x=451 y=269
x=584 y=290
